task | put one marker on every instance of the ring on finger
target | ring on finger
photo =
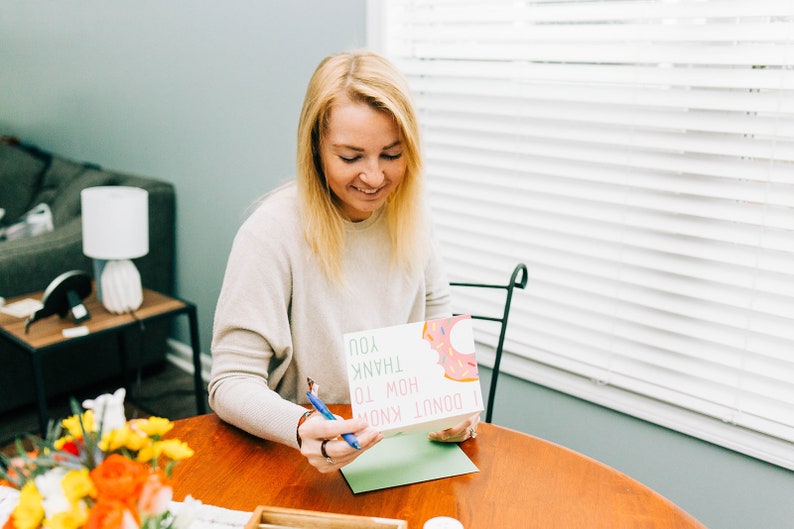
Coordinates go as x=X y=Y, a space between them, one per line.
x=472 y=432
x=324 y=453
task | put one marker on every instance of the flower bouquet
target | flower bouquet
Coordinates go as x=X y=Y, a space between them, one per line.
x=96 y=470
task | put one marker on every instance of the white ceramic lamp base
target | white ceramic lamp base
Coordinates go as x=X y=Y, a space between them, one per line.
x=121 y=288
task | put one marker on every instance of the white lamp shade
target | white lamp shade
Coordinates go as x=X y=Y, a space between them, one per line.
x=115 y=222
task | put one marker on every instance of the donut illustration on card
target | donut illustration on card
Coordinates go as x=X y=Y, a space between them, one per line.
x=446 y=336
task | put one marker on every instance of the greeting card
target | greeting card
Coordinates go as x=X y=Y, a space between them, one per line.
x=416 y=377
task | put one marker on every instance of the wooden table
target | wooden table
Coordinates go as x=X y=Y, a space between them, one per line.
x=524 y=482
x=46 y=336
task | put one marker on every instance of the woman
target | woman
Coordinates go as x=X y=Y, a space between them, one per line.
x=344 y=248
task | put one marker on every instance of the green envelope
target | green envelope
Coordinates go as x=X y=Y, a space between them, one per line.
x=405 y=459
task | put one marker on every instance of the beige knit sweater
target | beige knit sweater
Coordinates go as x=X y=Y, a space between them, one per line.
x=279 y=320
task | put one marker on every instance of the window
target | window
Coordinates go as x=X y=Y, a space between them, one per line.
x=637 y=156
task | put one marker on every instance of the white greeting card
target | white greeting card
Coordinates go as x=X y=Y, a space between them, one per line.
x=417 y=377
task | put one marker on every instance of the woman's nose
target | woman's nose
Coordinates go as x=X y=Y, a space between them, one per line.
x=372 y=175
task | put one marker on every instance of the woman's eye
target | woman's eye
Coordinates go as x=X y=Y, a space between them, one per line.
x=353 y=159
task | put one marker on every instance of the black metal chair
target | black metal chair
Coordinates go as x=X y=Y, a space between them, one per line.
x=515 y=281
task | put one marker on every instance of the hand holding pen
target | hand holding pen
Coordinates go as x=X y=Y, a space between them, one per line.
x=323 y=409
x=363 y=438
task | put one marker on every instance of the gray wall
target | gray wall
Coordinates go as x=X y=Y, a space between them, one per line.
x=206 y=94
x=203 y=93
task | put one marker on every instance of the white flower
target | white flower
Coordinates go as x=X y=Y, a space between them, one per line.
x=186 y=513
x=51 y=490
x=108 y=410
x=128 y=520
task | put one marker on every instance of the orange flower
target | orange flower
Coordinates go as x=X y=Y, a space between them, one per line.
x=110 y=514
x=119 y=478
x=9 y=523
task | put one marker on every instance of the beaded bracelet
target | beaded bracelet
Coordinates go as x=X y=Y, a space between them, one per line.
x=301 y=421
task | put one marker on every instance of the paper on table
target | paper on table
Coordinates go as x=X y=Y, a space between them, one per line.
x=406 y=459
x=22 y=308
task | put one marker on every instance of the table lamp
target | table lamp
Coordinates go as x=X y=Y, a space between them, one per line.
x=115 y=230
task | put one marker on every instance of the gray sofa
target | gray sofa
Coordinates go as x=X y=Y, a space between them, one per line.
x=28 y=177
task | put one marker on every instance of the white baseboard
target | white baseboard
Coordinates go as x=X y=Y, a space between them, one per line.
x=181 y=355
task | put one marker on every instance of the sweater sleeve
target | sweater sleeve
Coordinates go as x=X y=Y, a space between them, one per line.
x=251 y=335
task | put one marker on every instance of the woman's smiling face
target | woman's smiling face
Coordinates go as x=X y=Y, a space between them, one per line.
x=362 y=157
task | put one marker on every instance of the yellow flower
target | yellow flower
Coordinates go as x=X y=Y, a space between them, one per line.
x=77 y=485
x=153 y=426
x=175 y=450
x=58 y=444
x=29 y=512
x=148 y=454
x=136 y=442
x=124 y=437
x=72 y=424
x=73 y=519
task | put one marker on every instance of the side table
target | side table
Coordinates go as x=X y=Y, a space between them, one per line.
x=47 y=335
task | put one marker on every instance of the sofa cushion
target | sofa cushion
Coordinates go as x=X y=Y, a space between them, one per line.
x=62 y=183
x=67 y=204
x=57 y=176
x=20 y=177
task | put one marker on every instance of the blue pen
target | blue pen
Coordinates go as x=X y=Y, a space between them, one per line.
x=322 y=408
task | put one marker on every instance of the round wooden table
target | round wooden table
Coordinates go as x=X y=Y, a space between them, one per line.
x=524 y=482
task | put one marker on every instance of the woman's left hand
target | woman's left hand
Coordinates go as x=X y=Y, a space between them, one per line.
x=459 y=433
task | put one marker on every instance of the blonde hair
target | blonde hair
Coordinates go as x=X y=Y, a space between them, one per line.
x=365 y=77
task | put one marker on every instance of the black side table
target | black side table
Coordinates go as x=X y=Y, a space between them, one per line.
x=47 y=336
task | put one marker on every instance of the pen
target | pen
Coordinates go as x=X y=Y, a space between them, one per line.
x=322 y=408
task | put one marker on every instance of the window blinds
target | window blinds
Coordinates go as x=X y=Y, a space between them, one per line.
x=637 y=156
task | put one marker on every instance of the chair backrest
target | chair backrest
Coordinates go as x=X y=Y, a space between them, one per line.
x=517 y=279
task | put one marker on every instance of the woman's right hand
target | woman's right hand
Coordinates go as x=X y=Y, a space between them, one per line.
x=317 y=430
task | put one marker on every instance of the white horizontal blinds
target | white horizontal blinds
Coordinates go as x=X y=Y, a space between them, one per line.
x=638 y=156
